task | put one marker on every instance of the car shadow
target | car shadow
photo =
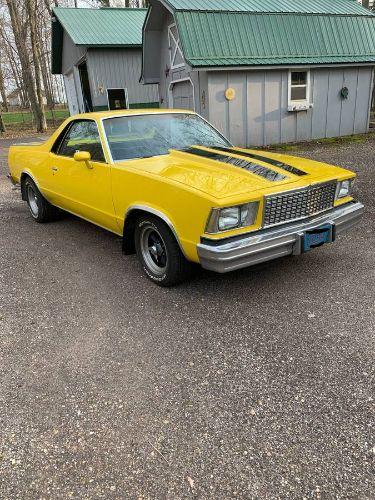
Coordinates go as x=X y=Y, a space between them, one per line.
x=275 y=274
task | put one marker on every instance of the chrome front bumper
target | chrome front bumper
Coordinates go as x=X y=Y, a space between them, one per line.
x=237 y=252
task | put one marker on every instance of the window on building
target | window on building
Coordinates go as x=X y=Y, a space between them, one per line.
x=299 y=90
x=117 y=98
x=82 y=135
x=175 y=52
x=299 y=86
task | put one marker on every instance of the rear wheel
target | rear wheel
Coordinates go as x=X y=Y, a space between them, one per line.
x=41 y=210
x=159 y=252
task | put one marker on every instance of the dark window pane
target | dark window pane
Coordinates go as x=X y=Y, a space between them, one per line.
x=298 y=94
x=117 y=99
x=60 y=139
x=82 y=136
x=299 y=77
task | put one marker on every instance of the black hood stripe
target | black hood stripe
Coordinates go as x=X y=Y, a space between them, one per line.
x=270 y=161
x=254 y=168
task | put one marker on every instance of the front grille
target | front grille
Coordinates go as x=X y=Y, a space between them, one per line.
x=296 y=205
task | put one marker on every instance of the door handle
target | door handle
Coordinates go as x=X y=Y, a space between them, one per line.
x=54 y=169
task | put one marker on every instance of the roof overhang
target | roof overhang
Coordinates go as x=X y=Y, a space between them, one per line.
x=56 y=46
x=281 y=67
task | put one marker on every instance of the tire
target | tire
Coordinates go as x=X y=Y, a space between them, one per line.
x=40 y=209
x=159 y=253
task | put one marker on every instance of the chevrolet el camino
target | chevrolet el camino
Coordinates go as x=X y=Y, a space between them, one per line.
x=178 y=192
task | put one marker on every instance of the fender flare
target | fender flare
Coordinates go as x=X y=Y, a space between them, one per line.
x=157 y=213
x=24 y=173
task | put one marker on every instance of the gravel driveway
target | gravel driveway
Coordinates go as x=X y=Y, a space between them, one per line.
x=256 y=384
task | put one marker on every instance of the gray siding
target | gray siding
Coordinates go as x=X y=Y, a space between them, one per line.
x=71 y=54
x=118 y=68
x=202 y=100
x=259 y=116
x=107 y=68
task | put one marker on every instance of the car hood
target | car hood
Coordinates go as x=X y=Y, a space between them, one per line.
x=228 y=172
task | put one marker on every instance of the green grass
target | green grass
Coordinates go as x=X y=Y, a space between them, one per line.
x=26 y=117
x=333 y=141
x=346 y=138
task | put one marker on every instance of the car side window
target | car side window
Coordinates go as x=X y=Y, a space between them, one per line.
x=83 y=135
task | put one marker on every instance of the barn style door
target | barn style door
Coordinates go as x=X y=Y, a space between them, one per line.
x=182 y=94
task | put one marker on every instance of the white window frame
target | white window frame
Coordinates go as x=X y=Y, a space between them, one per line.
x=172 y=57
x=299 y=105
x=170 y=91
x=126 y=96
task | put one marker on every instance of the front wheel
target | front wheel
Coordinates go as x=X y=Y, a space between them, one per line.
x=159 y=252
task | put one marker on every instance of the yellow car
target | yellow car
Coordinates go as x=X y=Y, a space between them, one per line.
x=178 y=192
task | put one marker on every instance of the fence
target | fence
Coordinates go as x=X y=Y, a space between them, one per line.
x=25 y=117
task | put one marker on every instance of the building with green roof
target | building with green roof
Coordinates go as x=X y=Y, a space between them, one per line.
x=264 y=71
x=99 y=54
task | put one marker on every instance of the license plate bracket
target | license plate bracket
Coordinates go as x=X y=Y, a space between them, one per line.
x=317 y=237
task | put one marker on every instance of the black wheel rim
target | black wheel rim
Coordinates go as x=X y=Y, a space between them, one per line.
x=153 y=250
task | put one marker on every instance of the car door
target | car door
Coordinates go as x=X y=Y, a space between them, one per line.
x=83 y=188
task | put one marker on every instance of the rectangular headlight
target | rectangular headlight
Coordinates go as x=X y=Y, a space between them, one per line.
x=229 y=218
x=224 y=219
x=344 y=188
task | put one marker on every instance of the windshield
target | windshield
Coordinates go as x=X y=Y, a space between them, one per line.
x=142 y=136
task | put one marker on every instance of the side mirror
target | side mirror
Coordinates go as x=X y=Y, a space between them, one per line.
x=82 y=156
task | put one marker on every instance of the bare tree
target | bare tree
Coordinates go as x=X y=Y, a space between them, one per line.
x=19 y=22
x=31 y=14
x=44 y=36
x=2 y=125
x=10 y=59
x=25 y=46
x=2 y=88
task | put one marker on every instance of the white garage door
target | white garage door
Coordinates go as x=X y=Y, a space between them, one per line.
x=182 y=95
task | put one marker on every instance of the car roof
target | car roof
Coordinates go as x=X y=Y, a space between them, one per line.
x=129 y=112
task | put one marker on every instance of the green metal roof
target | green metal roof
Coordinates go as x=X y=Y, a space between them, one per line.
x=338 y=7
x=232 y=38
x=95 y=28
x=109 y=27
